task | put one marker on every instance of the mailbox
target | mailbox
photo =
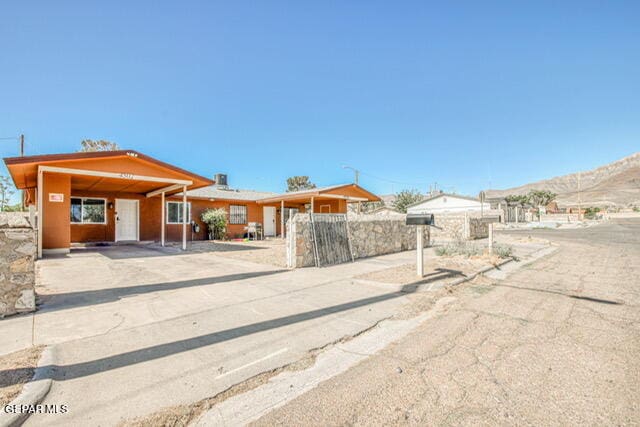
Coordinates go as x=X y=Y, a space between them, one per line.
x=420 y=219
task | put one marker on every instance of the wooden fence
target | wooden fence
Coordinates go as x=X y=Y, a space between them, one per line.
x=331 y=244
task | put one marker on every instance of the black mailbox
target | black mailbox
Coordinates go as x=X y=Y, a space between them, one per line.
x=419 y=219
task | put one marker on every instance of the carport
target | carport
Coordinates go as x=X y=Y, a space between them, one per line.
x=101 y=196
x=333 y=199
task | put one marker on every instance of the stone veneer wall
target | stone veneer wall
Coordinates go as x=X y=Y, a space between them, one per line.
x=456 y=227
x=448 y=228
x=17 y=264
x=370 y=235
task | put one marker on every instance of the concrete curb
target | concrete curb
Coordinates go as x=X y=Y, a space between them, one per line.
x=530 y=259
x=33 y=392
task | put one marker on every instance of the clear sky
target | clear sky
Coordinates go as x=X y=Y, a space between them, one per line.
x=468 y=94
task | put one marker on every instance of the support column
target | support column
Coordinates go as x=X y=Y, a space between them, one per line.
x=420 y=250
x=184 y=218
x=312 y=200
x=40 y=191
x=162 y=219
x=282 y=219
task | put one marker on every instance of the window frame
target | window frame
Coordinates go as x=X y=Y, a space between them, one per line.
x=244 y=216
x=82 y=221
x=180 y=210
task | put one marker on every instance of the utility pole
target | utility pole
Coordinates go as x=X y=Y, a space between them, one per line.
x=356 y=178
x=579 y=197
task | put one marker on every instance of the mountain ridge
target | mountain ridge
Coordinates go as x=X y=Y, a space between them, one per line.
x=616 y=183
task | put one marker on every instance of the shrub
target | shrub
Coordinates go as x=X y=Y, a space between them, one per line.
x=503 y=251
x=216 y=220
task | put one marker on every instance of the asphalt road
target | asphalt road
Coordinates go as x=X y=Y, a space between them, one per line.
x=555 y=343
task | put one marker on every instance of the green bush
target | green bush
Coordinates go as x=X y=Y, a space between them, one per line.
x=503 y=251
x=591 y=213
x=216 y=220
x=470 y=249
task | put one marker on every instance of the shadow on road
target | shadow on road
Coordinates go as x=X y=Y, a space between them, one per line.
x=549 y=291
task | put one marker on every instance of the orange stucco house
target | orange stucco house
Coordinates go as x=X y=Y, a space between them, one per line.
x=117 y=196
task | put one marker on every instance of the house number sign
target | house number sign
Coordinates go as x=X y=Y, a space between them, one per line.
x=56 y=197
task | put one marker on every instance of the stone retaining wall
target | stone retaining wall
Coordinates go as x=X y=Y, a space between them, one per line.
x=370 y=235
x=17 y=264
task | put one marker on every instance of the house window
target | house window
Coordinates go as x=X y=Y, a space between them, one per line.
x=325 y=208
x=85 y=210
x=237 y=214
x=174 y=212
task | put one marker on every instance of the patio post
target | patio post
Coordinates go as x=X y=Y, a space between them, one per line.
x=184 y=218
x=162 y=219
x=282 y=218
x=40 y=223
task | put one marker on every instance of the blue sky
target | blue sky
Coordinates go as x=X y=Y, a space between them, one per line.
x=465 y=94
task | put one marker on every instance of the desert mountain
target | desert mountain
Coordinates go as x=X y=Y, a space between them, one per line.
x=614 y=184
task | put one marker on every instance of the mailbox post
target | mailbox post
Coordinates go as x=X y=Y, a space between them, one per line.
x=420 y=220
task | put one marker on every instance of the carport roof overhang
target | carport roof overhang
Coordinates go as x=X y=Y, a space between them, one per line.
x=350 y=192
x=114 y=171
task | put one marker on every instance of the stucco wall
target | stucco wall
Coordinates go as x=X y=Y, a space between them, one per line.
x=370 y=235
x=17 y=268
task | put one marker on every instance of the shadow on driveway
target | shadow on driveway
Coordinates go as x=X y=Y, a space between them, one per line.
x=79 y=370
x=55 y=302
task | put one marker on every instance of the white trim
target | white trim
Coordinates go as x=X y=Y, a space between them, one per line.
x=322 y=206
x=166 y=220
x=115 y=237
x=88 y=223
x=123 y=175
x=164 y=190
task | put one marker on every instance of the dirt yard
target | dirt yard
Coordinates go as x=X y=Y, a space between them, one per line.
x=437 y=269
x=18 y=369
x=269 y=252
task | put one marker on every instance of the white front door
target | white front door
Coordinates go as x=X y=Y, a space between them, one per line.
x=126 y=219
x=269 y=217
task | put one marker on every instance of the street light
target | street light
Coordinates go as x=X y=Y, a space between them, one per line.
x=356 y=172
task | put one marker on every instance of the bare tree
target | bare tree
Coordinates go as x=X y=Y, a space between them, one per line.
x=89 y=145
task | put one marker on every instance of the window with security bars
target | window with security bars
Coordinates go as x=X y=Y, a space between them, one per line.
x=237 y=214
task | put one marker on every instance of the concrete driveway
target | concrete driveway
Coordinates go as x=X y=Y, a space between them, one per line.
x=137 y=329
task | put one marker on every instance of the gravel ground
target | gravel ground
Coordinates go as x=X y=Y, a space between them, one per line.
x=441 y=269
x=556 y=343
x=20 y=366
x=269 y=252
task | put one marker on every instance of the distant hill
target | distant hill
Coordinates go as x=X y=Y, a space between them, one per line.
x=614 y=184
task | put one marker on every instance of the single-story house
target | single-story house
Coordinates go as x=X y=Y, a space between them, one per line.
x=124 y=195
x=444 y=203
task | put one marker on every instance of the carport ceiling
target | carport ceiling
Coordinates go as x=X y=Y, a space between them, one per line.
x=103 y=184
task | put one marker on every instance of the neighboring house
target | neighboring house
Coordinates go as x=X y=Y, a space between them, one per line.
x=124 y=195
x=385 y=211
x=445 y=203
